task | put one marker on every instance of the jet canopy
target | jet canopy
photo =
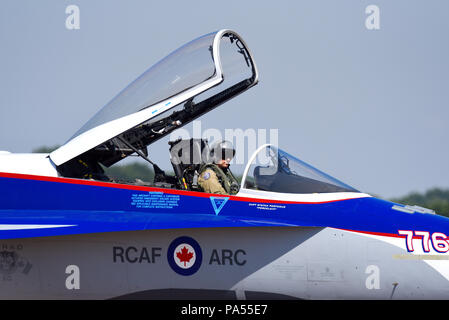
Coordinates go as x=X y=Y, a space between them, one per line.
x=186 y=84
x=272 y=169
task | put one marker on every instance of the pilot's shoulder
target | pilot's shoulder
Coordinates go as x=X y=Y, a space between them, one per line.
x=208 y=174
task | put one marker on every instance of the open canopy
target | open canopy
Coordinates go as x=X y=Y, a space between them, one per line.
x=189 y=82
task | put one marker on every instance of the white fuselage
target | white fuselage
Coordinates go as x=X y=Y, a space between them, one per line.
x=27 y=163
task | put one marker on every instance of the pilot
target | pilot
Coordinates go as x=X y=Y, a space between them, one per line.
x=216 y=177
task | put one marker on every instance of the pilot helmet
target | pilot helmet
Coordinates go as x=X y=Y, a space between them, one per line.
x=222 y=150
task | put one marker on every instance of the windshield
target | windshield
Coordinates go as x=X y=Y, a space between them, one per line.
x=183 y=69
x=273 y=169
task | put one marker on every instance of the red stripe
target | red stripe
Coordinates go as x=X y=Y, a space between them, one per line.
x=382 y=234
x=391 y=235
x=148 y=189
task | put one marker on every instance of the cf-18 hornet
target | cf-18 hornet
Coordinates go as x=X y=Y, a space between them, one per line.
x=69 y=231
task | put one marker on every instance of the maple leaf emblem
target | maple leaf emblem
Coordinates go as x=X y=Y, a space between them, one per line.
x=184 y=255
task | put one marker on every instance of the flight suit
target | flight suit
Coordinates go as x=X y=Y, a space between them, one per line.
x=213 y=179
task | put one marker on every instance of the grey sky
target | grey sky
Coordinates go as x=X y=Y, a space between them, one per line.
x=368 y=107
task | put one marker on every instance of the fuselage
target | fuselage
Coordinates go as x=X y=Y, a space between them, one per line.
x=354 y=247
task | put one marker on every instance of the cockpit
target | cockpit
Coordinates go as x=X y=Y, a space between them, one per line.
x=269 y=169
x=189 y=82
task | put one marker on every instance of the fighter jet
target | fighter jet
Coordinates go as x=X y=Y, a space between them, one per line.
x=68 y=231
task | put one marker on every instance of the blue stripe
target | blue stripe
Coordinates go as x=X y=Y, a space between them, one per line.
x=94 y=208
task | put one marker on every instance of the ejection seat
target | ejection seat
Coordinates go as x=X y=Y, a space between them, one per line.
x=187 y=157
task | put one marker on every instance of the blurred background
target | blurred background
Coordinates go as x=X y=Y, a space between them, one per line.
x=369 y=107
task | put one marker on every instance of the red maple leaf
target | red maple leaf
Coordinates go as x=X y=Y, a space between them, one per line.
x=184 y=255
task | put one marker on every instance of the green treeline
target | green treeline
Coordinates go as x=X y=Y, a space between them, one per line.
x=131 y=172
x=45 y=149
x=436 y=199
